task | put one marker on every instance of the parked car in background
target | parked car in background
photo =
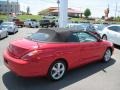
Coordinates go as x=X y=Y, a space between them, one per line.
x=49 y=17
x=49 y=23
x=83 y=26
x=18 y=22
x=51 y=52
x=10 y=27
x=112 y=33
x=99 y=28
x=3 y=33
x=45 y=23
x=56 y=23
x=75 y=26
x=31 y=23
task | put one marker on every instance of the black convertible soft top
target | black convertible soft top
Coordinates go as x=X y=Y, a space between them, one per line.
x=57 y=34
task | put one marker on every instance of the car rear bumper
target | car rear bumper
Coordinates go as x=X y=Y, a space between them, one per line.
x=24 y=68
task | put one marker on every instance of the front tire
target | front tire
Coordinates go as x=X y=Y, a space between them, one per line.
x=57 y=70
x=107 y=55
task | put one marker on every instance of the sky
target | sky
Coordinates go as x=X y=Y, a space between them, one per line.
x=97 y=7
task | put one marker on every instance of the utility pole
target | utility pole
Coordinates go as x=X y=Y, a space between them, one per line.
x=8 y=9
x=116 y=10
x=17 y=8
x=58 y=2
x=63 y=13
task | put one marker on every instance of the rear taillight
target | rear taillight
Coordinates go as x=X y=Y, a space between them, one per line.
x=30 y=55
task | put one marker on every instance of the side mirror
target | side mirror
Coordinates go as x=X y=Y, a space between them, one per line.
x=100 y=40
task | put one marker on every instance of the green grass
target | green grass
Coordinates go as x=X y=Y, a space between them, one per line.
x=38 y=17
x=3 y=17
x=81 y=20
x=22 y=17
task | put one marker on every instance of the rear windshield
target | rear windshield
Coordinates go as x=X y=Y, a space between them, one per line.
x=39 y=37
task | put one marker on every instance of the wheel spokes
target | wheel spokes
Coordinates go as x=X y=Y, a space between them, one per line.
x=58 y=70
x=108 y=55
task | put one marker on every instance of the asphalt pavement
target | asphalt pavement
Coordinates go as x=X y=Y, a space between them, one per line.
x=95 y=76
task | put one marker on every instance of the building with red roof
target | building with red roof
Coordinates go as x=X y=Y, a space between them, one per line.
x=71 y=12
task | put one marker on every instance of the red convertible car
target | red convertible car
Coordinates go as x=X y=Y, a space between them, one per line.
x=51 y=53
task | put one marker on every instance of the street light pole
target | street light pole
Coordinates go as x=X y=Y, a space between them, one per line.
x=116 y=10
x=58 y=2
x=17 y=8
x=63 y=14
x=8 y=9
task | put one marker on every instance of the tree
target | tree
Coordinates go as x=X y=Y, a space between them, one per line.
x=87 y=13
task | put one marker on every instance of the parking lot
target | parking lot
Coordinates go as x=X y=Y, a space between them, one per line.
x=96 y=76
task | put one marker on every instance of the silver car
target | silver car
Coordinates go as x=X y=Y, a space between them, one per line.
x=31 y=23
x=112 y=33
x=99 y=28
x=10 y=27
x=3 y=33
x=83 y=26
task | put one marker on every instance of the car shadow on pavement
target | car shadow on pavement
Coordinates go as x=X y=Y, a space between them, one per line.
x=117 y=46
x=13 y=82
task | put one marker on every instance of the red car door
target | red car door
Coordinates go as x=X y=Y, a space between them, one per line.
x=90 y=51
x=90 y=48
x=85 y=48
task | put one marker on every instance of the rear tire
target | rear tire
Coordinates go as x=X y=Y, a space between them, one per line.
x=57 y=70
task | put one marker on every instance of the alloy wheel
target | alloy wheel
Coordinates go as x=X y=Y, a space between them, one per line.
x=107 y=55
x=57 y=70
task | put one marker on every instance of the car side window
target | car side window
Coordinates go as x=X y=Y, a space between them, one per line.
x=118 y=29
x=113 y=28
x=81 y=37
x=73 y=38
x=86 y=37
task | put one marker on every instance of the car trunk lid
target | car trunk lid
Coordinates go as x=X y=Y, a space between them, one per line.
x=20 y=47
